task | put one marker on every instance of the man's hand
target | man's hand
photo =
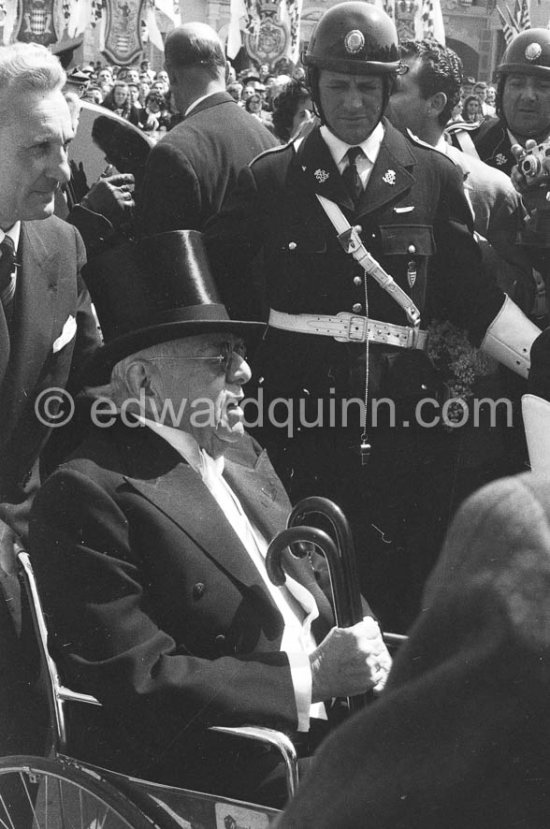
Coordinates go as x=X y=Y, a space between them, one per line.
x=349 y=661
x=112 y=197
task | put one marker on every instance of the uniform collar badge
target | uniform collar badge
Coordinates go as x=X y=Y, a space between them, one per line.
x=500 y=159
x=389 y=177
x=321 y=175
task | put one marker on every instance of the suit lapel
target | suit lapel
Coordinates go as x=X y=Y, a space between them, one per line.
x=266 y=504
x=320 y=173
x=390 y=176
x=36 y=299
x=181 y=495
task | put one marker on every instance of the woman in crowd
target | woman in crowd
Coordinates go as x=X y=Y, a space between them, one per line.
x=292 y=112
x=118 y=101
x=471 y=110
x=155 y=115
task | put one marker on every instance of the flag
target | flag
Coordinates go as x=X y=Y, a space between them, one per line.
x=428 y=21
x=507 y=30
x=387 y=6
x=153 y=31
x=237 y=24
x=524 y=17
x=170 y=9
x=290 y=13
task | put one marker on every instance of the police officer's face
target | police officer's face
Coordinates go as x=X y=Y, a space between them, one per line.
x=526 y=105
x=351 y=104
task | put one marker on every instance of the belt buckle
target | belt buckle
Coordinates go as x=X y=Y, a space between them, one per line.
x=412 y=336
x=357 y=327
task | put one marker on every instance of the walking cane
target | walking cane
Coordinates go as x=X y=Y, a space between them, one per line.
x=352 y=609
x=340 y=597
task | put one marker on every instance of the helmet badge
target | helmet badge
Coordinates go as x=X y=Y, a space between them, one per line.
x=533 y=51
x=354 y=41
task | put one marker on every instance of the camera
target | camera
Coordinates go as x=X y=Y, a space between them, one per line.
x=535 y=163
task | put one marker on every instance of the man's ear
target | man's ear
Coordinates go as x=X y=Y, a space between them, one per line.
x=438 y=103
x=144 y=385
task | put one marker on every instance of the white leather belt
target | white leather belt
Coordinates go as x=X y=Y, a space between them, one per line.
x=349 y=328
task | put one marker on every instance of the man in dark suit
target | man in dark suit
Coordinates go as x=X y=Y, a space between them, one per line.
x=460 y=737
x=190 y=171
x=46 y=329
x=336 y=334
x=149 y=546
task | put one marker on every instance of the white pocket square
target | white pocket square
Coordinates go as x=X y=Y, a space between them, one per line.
x=407 y=209
x=69 y=331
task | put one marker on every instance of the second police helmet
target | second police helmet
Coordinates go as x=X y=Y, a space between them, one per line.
x=527 y=54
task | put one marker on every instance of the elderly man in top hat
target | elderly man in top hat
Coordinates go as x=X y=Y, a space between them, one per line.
x=149 y=545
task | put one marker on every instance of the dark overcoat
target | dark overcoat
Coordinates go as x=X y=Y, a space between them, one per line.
x=193 y=167
x=155 y=604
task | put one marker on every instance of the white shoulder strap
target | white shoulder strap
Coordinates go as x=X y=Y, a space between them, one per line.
x=351 y=242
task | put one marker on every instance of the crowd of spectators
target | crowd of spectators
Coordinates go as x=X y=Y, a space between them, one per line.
x=140 y=95
x=279 y=100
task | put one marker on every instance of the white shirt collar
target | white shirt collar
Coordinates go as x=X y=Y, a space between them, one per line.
x=13 y=232
x=338 y=148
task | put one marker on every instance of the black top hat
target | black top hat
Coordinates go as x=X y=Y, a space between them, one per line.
x=152 y=291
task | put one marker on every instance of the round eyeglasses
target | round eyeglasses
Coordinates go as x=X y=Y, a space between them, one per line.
x=223 y=360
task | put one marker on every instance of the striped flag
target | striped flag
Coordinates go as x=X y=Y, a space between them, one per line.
x=507 y=30
x=428 y=21
x=517 y=21
x=524 y=17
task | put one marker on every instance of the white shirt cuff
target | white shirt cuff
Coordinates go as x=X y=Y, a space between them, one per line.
x=300 y=671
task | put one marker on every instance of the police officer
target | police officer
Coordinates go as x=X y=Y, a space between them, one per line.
x=342 y=335
x=522 y=102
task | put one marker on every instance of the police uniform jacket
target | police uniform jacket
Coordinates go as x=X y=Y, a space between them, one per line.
x=414 y=220
x=494 y=147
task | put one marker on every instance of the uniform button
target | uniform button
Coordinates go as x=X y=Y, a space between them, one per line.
x=411 y=249
x=220 y=640
x=356 y=307
x=357 y=280
x=261 y=381
x=358 y=228
x=292 y=245
x=198 y=590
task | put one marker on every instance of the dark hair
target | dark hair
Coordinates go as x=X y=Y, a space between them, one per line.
x=256 y=98
x=441 y=71
x=464 y=114
x=157 y=98
x=110 y=103
x=285 y=107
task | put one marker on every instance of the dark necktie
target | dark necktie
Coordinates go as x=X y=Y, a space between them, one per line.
x=351 y=176
x=7 y=284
